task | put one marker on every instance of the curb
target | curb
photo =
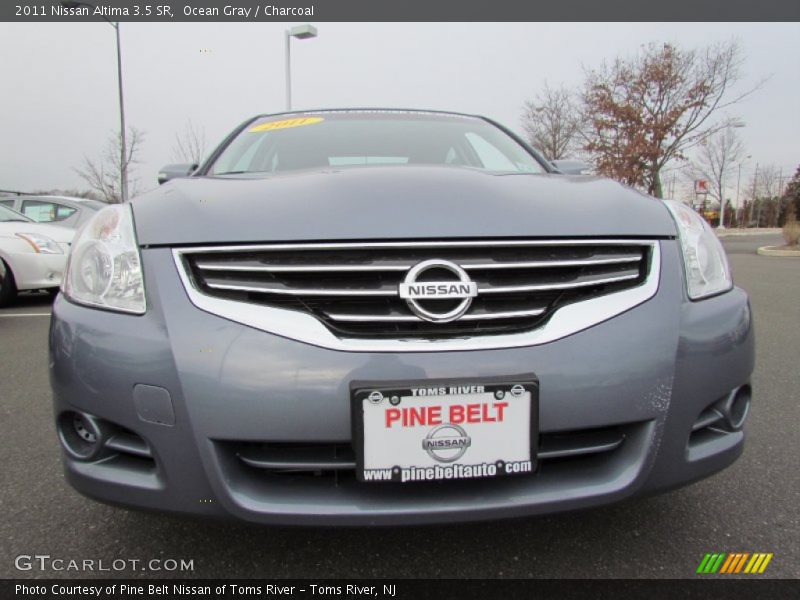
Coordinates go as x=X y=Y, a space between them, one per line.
x=746 y=232
x=774 y=251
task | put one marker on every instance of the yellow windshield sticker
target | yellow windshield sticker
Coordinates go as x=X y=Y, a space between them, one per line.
x=286 y=123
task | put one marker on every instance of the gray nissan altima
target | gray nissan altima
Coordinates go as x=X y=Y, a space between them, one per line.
x=394 y=316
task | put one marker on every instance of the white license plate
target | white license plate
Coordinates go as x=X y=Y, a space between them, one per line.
x=430 y=431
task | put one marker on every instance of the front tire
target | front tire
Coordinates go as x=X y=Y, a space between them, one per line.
x=8 y=287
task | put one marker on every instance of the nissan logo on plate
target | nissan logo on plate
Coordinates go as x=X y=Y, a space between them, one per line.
x=446 y=443
x=433 y=298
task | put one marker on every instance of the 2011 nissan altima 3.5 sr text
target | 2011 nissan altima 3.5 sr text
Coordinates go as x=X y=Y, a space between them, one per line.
x=388 y=316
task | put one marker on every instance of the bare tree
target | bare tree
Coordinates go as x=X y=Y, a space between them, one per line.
x=762 y=192
x=103 y=175
x=552 y=122
x=70 y=192
x=791 y=193
x=767 y=188
x=768 y=180
x=650 y=109
x=716 y=160
x=190 y=144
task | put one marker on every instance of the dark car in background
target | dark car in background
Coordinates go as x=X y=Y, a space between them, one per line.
x=394 y=316
x=63 y=211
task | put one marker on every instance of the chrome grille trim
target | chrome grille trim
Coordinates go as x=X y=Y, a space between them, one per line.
x=292 y=466
x=322 y=457
x=555 y=286
x=393 y=292
x=405 y=267
x=421 y=244
x=540 y=264
x=303 y=268
x=128 y=443
x=300 y=291
x=308 y=328
x=514 y=314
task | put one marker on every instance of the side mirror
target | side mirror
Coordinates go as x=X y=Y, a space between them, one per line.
x=570 y=166
x=169 y=172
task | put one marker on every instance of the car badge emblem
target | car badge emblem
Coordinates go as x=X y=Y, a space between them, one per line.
x=424 y=296
x=446 y=443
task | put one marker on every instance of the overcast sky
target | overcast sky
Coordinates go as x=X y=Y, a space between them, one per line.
x=59 y=94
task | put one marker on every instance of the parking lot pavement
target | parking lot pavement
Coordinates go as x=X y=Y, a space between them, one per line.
x=754 y=506
x=744 y=244
x=28 y=303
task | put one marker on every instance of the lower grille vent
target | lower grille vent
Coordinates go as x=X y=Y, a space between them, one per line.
x=338 y=458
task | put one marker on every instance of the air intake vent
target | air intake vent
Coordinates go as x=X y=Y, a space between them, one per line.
x=354 y=289
x=335 y=458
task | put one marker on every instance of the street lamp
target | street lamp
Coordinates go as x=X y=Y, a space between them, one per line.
x=737 y=124
x=755 y=184
x=738 y=183
x=301 y=32
x=123 y=159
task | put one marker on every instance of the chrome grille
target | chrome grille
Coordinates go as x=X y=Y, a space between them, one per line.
x=352 y=288
x=324 y=458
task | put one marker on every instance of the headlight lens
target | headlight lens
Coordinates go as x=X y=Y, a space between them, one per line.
x=104 y=267
x=41 y=244
x=707 y=270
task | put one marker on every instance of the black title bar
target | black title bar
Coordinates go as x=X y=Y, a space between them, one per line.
x=404 y=10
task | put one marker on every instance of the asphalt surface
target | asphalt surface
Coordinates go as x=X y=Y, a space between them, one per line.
x=754 y=506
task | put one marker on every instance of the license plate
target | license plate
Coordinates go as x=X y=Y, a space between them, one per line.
x=446 y=429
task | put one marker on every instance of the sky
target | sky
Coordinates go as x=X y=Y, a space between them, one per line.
x=59 y=103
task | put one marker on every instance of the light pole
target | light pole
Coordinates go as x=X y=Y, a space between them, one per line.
x=123 y=158
x=301 y=32
x=738 y=184
x=755 y=182
x=736 y=125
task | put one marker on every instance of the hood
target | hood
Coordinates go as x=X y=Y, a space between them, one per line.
x=62 y=235
x=380 y=203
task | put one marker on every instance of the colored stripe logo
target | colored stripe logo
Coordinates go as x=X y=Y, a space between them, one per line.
x=734 y=562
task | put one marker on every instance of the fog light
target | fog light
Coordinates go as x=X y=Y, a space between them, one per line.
x=82 y=436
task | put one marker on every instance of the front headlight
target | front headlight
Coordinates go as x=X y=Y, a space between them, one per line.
x=707 y=270
x=104 y=267
x=40 y=243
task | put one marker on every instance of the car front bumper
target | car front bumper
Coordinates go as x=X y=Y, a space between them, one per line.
x=33 y=271
x=648 y=374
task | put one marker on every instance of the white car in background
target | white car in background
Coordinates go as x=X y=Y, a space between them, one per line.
x=63 y=211
x=33 y=255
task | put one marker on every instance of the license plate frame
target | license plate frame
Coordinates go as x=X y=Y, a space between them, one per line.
x=360 y=391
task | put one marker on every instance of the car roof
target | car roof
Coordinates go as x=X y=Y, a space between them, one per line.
x=54 y=197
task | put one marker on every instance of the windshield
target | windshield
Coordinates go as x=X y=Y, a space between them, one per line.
x=357 y=138
x=7 y=214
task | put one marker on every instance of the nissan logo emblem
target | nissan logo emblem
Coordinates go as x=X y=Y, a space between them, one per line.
x=446 y=443
x=415 y=289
